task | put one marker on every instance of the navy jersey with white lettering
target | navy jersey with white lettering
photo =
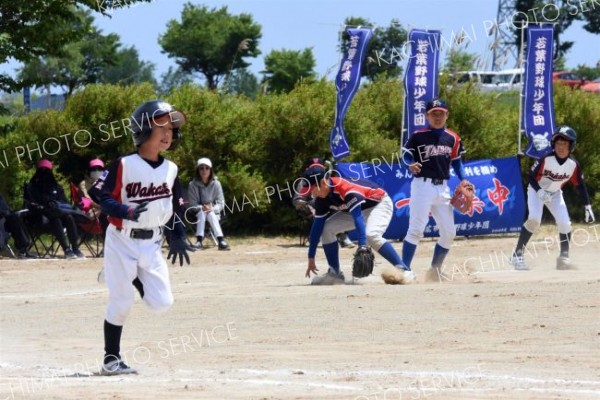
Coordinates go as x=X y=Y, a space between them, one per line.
x=434 y=149
x=552 y=174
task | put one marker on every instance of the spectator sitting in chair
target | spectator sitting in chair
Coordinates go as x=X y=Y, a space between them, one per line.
x=46 y=198
x=205 y=193
x=14 y=225
x=89 y=206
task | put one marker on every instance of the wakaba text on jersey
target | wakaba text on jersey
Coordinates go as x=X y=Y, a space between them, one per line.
x=135 y=189
x=555 y=176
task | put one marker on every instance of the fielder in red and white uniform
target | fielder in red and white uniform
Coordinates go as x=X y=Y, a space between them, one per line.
x=547 y=177
x=139 y=193
x=342 y=205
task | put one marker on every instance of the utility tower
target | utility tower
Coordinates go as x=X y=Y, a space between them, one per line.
x=504 y=44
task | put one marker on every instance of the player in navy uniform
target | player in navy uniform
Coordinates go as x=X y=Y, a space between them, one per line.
x=546 y=178
x=429 y=153
x=139 y=193
x=342 y=205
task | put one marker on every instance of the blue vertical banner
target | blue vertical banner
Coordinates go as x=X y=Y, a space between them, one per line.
x=420 y=78
x=538 y=104
x=346 y=84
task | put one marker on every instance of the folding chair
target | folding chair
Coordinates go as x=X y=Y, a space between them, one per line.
x=91 y=231
x=43 y=241
x=209 y=231
x=4 y=236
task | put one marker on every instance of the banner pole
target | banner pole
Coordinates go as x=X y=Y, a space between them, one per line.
x=520 y=63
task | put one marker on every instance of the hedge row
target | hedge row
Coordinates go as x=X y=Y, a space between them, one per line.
x=258 y=146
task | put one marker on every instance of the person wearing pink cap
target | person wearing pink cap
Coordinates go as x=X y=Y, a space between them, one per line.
x=45 y=197
x=94 y=172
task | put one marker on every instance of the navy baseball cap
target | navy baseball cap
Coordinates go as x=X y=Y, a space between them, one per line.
x=437 y=104
x=312 y=177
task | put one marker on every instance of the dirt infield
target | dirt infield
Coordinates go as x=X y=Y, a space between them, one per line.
x=246 y=325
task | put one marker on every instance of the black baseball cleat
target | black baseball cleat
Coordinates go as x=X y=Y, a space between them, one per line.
x=223 y=245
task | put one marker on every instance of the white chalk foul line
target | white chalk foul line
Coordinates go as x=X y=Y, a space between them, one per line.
x=30 y=296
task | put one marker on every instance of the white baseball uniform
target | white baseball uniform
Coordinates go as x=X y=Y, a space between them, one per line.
x=133 y=249
x=551 y=174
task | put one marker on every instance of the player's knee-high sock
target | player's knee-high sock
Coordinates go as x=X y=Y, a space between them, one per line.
x=112 y=342
x=408 y=252
x=565 y=239
x=332 y=254
x=388 y=252
x=439 y=253
x=524 y=237
x=139 y=286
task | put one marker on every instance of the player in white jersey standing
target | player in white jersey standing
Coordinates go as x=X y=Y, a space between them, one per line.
x=140 y=192
x=546 y=178
x=429 y=154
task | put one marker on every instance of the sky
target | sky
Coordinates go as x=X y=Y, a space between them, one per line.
x=296 y=25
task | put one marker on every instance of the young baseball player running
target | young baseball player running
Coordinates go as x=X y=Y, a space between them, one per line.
x=139 y=193
x=429 y=153
x=342 y=205
x=547 y=176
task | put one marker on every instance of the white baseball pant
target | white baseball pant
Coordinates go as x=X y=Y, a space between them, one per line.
x=124 y=260
x=556 y=205
x=426 y=197
x=377 y=220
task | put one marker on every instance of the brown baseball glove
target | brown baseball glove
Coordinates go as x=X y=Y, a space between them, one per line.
x=463 y=196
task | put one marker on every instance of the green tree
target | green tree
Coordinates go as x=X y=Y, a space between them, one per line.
x=173 y=78
x=384 y=53
x=561 y=13
x=589 y=73
x=81 y=63
x=242 y=81
x=128 y=69
x=40 y=28
x=211 y=42
x=285 y=68
x=459 y=60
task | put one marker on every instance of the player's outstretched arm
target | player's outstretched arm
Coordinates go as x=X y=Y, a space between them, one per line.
x=359 y=222
x=312 y=267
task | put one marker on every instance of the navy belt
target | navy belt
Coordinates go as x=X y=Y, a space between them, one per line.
x=434 y=181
